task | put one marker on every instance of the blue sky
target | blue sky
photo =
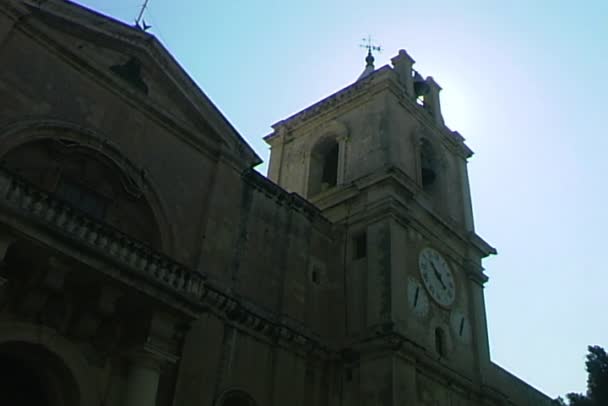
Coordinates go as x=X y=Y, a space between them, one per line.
x=524 y=81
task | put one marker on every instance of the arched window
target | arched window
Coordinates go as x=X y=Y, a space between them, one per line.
x=88 y=181
x=323 y=166
x=428 y=164
x=440 y=342
x=236 y=398
x=31 y=375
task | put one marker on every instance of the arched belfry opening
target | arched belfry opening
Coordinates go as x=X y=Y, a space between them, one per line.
x=88 y=181
x=32 y=375
x=428 y=164
x=324 y=164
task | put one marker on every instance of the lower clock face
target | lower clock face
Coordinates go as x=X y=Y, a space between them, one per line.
x=417 y=298
x=437 y=276
x=460 y=326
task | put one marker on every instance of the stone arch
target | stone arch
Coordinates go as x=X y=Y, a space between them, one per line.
x=429 y=165
x=235 y=397
x=60 y=372
x=326 y=163
x=323 y=170
x=76 y=139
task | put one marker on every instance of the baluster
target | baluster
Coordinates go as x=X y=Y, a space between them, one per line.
x=123 y=253
x=171 y=275
x=133 y=255
x=83 y=228
x=37 y=203
x=113 y=245
x=161 y=271
x=14 y=192
x=93 y=234
x=51 y=211
x=26 y=200
x=143 y=261
x=152 y=266
x=180 y=280
x=102 y=240
x=72 y=223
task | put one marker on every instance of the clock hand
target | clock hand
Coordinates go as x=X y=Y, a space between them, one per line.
x=438 y=276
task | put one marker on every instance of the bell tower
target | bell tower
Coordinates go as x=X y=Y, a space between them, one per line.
x=377 y=159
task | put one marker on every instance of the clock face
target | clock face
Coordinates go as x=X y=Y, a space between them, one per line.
x=437 y=276
x=461 y=326
x=417 y=298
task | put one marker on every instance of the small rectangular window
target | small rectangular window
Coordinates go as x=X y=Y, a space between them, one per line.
x=315 y=275
x=360 y=246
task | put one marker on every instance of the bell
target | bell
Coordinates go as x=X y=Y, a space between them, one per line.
x=421 y=88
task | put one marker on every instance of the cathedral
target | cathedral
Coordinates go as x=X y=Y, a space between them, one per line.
x=144 y=261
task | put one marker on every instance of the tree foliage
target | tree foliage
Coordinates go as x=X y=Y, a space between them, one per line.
x=597 y=381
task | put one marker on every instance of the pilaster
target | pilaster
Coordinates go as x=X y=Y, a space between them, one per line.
x=431 y=101
x=379 y=294
x=465 y=192
x=147 y=357
x=143 y=377
x=342 y=140
x=476 y=279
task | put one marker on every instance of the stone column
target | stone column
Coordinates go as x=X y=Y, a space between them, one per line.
x=403 y=66
x=142 y=379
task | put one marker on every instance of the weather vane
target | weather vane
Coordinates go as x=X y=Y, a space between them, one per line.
x=143 y=26
x=369 y=45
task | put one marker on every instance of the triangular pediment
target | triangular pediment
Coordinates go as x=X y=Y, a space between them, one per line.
x=136 y=63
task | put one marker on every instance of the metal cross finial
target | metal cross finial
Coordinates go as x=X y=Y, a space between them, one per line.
x=367 y=43
x=139 y=18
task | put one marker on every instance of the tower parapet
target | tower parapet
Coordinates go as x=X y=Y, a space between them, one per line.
x=425 y=91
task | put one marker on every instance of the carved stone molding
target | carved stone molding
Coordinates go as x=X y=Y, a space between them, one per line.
x=142 y=261
x=24 y=198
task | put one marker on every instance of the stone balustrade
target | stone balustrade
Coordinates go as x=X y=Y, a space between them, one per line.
x=55 y=214
x=25 y=199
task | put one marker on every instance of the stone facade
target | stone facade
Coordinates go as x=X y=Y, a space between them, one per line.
x=145 y=262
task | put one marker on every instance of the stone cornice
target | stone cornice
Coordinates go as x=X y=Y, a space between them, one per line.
x=280 y=330
x=345 y=96
x=146 y=105
x=474 y=272
x=35 y=205
x=482 y=246
x=13 y=9
x=387 y=340
x=470 y=238
x=190 y=290
x=61 y=15
x=293 y=200
x=383 y=78
x=451 y=139
x=407 y=192
x=538 y=396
